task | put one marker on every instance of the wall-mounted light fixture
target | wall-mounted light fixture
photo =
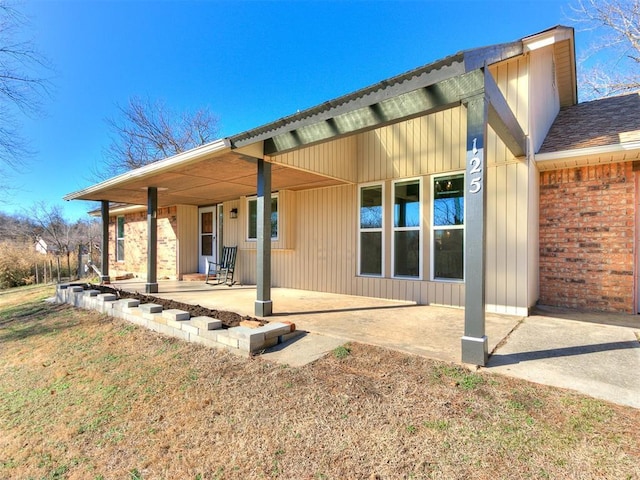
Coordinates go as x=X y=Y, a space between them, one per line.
x=233 y=213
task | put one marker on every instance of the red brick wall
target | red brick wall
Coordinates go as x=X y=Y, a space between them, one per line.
x=135 y=248
x=587 y=225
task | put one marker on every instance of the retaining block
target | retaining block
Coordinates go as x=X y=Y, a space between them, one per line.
x=150 y=308
x=126 y=303
x=275 y=329
x=191 y=329
x=91 y=293
x=174 y=323
x=107 y=297
x=206 y=323
x=224 y=339
x=175 y=314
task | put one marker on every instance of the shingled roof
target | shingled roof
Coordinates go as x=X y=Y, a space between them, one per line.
x=598 y=123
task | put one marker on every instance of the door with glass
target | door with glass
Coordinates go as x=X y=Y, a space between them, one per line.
x=207 y=232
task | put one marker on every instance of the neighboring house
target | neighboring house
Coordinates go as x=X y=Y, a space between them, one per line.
x=473 y=181
x=41 y=246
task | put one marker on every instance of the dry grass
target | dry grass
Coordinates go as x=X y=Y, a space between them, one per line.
x=85 y=396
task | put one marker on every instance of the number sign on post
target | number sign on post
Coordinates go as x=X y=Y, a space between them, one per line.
x=475 y=172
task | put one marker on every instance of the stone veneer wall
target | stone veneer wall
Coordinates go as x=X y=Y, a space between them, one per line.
x=135 y=239
x=587 y=230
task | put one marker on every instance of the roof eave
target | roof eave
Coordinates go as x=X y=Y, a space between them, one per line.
x=160 y=166
x=567 y=156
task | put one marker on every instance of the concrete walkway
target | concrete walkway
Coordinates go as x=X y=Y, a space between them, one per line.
x=595 y=354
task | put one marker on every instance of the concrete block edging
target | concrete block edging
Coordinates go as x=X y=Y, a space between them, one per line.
x=205 y=331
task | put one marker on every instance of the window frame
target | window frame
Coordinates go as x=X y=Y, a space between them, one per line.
x=418 y=228
x=120 y=249
x=381 y=230
x=434 y=228
x=254 y=198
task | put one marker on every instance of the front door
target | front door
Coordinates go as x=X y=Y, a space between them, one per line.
x=208 y=246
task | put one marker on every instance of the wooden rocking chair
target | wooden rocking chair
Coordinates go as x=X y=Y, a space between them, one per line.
x=223 y=270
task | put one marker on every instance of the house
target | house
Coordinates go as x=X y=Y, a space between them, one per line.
x=41 y=246
x=473 y=181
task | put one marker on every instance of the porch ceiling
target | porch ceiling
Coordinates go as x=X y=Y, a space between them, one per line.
x=223 y=177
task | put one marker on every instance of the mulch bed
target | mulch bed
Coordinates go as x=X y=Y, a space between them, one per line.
x=228 y=319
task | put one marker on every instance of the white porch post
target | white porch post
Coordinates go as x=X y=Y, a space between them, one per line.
x=474 y=341
x=152 y=240
x=264 y=305
x=104 y=258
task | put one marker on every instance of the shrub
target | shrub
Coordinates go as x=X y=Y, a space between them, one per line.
x=16 y=265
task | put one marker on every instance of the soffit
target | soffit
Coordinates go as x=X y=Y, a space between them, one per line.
x=214 y=180
x=588 y=157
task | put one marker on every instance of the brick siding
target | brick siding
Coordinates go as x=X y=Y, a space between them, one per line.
x=135 y=248
x=587 y=225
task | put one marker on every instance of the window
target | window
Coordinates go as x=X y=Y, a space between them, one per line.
x=120 y=239
x=371 y=214
x=252 y=218
x=448 y=227
x=407 y=234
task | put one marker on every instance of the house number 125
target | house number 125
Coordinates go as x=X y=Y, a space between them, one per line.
x=475 y=182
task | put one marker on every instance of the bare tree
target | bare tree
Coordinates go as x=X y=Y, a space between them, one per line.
x=49 y=224
x=21 y=85
x=615 y=59
x=147 y=131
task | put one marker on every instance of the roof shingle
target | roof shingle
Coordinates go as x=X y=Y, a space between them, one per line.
x=603 y=122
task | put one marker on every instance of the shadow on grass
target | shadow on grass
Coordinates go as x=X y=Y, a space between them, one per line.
x=31 y=319
x=498 y=360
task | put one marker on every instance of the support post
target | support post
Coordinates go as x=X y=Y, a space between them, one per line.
x=474 y=341
x=264 y=305
x=152 y=240
x=104 y=260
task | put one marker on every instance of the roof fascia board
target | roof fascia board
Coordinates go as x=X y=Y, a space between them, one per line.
x=155 y=168
x=429 y=99
x=367 y=97
x=480 y=57
x=502 y=119
x=119 y=210
x=284 y=134
x=586 y=152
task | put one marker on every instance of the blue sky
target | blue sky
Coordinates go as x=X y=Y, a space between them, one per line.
x=250 y=62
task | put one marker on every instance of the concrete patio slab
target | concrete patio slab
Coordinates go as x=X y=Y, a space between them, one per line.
x=597 y=359
x=426 y=330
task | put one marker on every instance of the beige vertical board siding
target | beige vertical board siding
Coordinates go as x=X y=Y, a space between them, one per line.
x=425 y=145
x=230 y=233
x=543 y=85
x=333 y=159
x=187 y=239
x=508 y=254
x=512 y=77
x=533 y=242
x=512 y=234
x=508 y=250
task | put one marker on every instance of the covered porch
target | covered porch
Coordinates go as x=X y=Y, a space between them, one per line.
x=332 y=319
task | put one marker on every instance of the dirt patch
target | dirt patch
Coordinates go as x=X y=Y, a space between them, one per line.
x=228 y=319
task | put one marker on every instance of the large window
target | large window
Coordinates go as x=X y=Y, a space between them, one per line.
x=371 y=214
x=407 y=232
x=120 y=239
x=448 y=227
x=252 y=218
